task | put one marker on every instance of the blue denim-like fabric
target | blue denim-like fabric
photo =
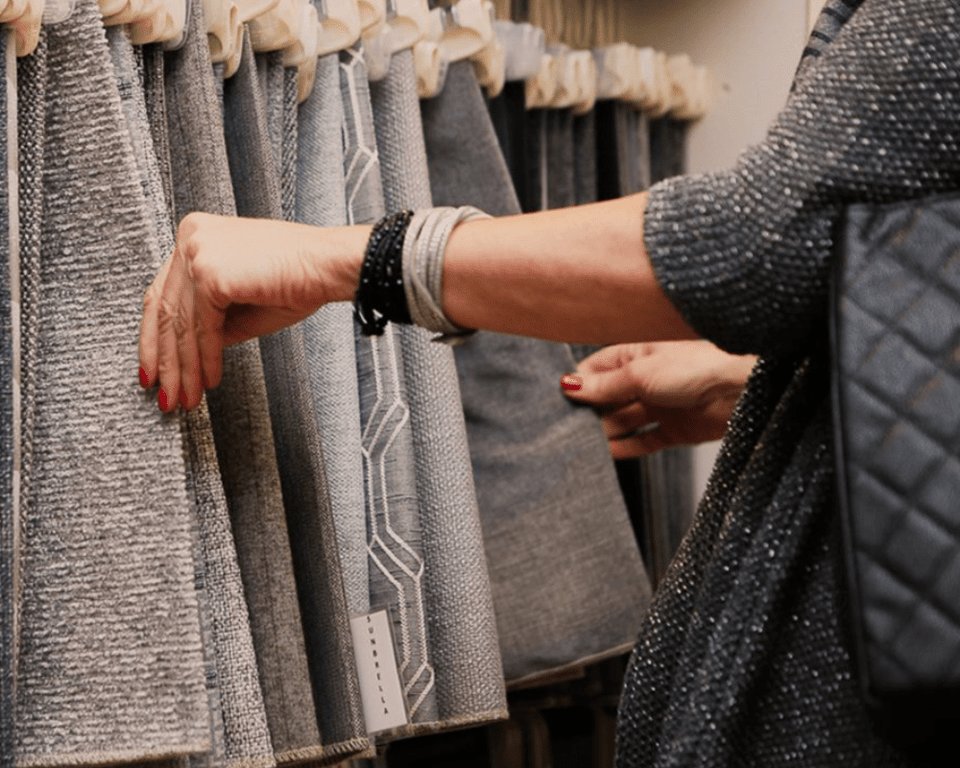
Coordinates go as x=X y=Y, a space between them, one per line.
x=568 y=583
x=263 y=149
x=463 y=636
x=394 y=542
x=107 y=529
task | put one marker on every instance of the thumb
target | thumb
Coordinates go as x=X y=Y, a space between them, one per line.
x=601 y=389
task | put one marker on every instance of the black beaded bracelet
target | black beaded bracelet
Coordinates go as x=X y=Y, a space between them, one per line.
x=380 y=296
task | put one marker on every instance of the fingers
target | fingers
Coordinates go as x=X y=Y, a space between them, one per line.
x=149 y=328
x=643 y=444
x=605 y=390
x=170 y=325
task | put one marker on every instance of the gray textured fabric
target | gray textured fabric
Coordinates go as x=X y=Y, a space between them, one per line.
x=328 y=333
x=246 y=452
x=31 y=110
x=9 y=260
x=748 y=625
x=568 y=583
x=393 y=521
x=585 y=157
x=561 y=180
x=238 y=720
x=463 y=636
x=256 y=145
x=107 y=530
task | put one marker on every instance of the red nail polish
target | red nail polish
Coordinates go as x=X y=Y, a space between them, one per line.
x=183 y=399
x=162 y=399
x=144 y=381
x=571 y=383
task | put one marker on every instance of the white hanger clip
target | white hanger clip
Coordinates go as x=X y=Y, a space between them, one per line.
x=373 y=13
x=466 y=29
x=431 y=68
x=250 y=9
x=340 y=25
x=277 y=28
x=523 y=45
x=585 y=72
x=541 y=88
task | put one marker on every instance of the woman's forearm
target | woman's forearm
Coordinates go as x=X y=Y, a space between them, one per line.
x=574 y=274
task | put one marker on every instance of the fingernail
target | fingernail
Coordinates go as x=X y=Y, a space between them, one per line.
x=571 y=382
x=144 y=381
x=162 y=399
x=183 y=399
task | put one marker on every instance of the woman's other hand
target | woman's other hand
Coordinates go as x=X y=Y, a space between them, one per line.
x=229 y=280
x=660 y=394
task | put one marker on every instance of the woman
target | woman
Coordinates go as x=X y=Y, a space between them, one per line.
x=741 y=660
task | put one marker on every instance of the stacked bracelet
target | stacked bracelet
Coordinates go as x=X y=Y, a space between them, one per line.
x=380 y=296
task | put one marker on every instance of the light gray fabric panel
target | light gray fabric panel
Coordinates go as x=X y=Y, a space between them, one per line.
x=107 y=531
x=328 y=333
x=9 y=539
x=463 y=633
x=259 y=147
x=238 y=720
x=245 y=448
x=568 y=582
x=393 y=521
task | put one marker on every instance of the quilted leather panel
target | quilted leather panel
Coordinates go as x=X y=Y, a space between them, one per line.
x=897 y=346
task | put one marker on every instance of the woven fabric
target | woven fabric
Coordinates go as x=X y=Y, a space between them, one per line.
x=742 y=657
x=463 y=637
x=107 y=533
x=9 y=416
x=246 y=452
x=255 y=147
x=394 y=538
x=585 y=157
x=328 y=333
x=561 y=180
x=31 y=110
x=238 y=720
x=568 y=583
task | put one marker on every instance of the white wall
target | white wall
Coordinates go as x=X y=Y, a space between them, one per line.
x=752 y=47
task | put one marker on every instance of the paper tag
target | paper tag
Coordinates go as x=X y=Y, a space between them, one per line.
x=381 y=694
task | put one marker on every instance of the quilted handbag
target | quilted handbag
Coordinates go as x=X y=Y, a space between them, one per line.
x=895 y=326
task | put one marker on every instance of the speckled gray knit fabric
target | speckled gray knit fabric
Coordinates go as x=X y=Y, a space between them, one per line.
x=742 y=659
x=107 y=535
x=458 y=602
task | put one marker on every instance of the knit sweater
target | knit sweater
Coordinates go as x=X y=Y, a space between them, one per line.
x=743 y=658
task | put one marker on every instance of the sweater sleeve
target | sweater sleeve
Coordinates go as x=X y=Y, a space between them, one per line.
x=744 y=254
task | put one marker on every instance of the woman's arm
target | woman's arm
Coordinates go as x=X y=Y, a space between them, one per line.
x=577 y=274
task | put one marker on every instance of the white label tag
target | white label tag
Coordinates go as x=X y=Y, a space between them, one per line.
x=380 y=691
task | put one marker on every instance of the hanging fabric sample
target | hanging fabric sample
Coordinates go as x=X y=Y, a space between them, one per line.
x=560 y=174
x=328 y=332
x=107 y=532
x=463 y=636
x=239 y=735
x=394 y=543
x=330 y=359
x=9 y=405
x=261 y=130
x=568 y=583
x=244 y=439
x=585 y=157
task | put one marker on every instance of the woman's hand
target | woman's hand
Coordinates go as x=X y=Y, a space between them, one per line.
x=660 y=394
x=230 y=280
